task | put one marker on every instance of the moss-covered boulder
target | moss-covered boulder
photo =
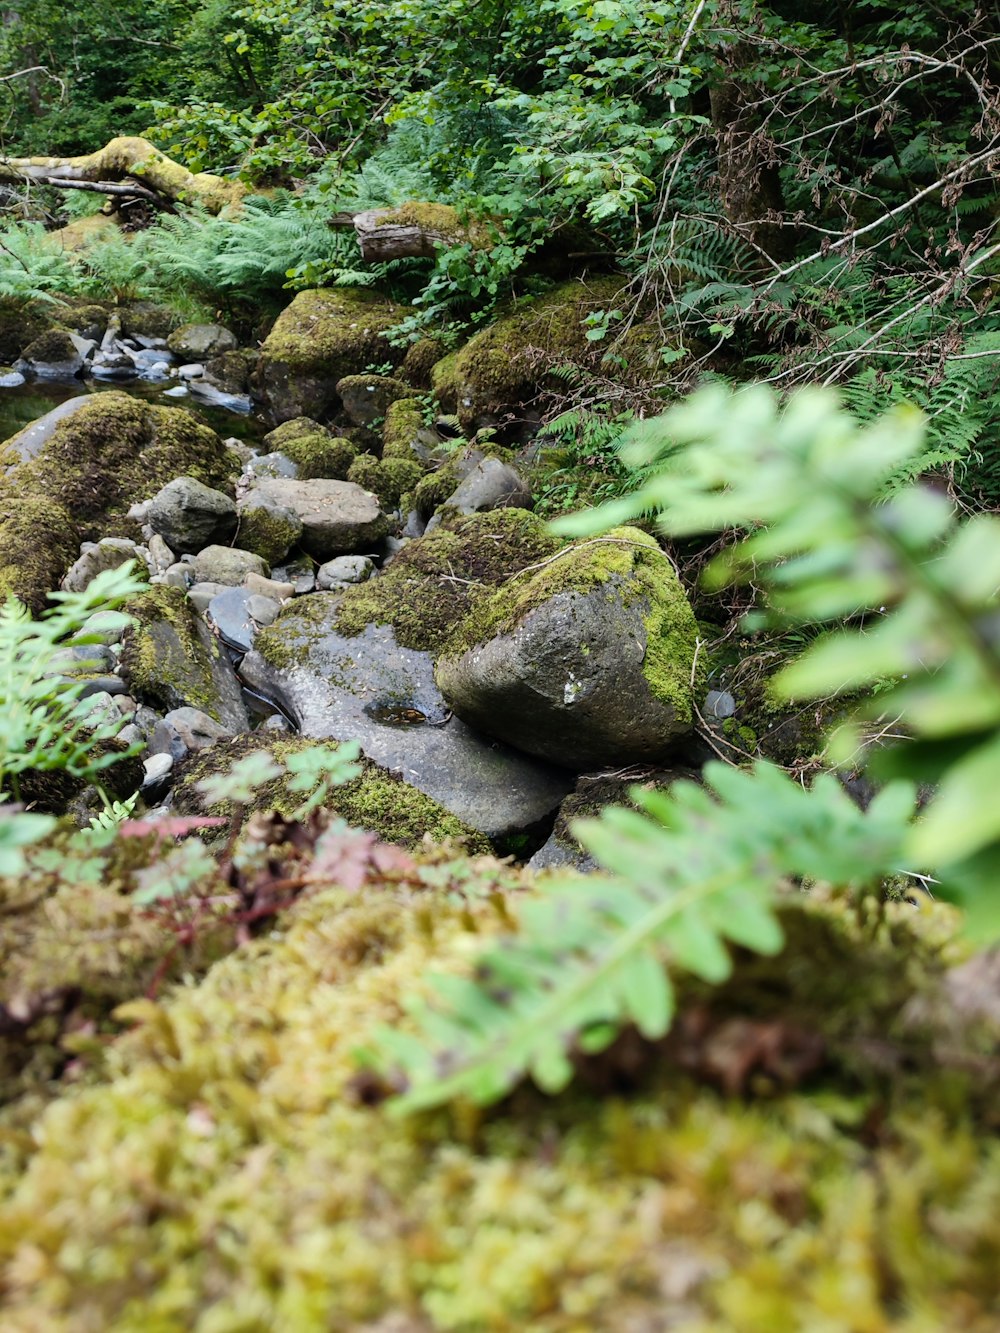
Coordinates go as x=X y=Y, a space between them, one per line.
x=170 y=659
x=388 y=478
x=493 y=379
x=321 y=337
x=292 y=429
x=366 y=398
x=421 y=358
x=376 y=800
x=586 y=661
x=320 y=455
x=107 y=453
x=403 y=432
x=435 y=580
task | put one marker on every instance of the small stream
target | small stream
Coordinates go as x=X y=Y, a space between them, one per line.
x=21 y=406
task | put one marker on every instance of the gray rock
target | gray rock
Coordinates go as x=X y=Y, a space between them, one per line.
x=366 y=398
x=179 y=575
x=112 y=685
x=344 y=570
x=96 y=557
x=554 y=854
x=275 y=464
x=28 y=443
x=490 y=485
x=273 y=588
x=212 y=396
x=719 y=704
x=184 y=730
x=52 y=356
x=595 y=673
x=159 y=770
x=229 y=614
x=172 y=659
x=12 y=379
x=192 y=371
x=201 y=594
x=263 y=610
x=267 y=527
x=276 y=722
x=178 y=391
x=370 y=689
x=101 y=710
x=226 y=564
x=337 y=516
x=160 y=555
x=189 y=515
x=131 y=735
x=108 y=626
x=198 y=342
x=83 y=660
x=299 y=573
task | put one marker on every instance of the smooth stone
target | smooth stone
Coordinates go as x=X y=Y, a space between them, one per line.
x=198 y=342
x=365 y=687
x=273 y=588
x=101 y=709
x=299 y=574
x=125 y=705
x=263 y=610
x=82 y=660
x=131 y=735
x=177 y=576
x=226 y=564
x=201 y=594
x=160 y=555
x=344 y=570
x=212 y=396
x=229 y=613
x=178 y=391
x=97 y=557
x=28 y=443
x=189 y=515
x=276 y=722
x=490 y=485
x=263 y=466
x=719 y=704
x=158 y=769
x=184 y=730
x=107 y=626
x=338 y=517
x=12 y=379
x=194 y=370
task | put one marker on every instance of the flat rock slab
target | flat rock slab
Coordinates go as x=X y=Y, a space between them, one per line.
x=30 y=441
x=338 y=517
x=369 y=689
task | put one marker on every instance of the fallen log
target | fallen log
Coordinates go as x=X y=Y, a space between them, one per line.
x=130 y=162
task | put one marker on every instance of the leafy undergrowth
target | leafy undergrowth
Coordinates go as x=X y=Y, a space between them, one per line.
x=811 y=1147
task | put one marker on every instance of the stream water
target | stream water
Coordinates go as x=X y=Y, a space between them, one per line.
x=21 y=406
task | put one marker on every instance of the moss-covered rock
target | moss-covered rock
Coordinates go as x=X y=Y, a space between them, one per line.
x=377 y=800
x=20 y=324
x=267 y=529
x=366 y=398
x=492 y=379
x=586 y=661
x=291 y=430
x=434 y=580
x=401 y=430
x=388 y=478
x=320 y=454
x=230 y=371
x=171 y=660
x=230 y=1169
x=111 y=452
x=321 y=337
x=420 y=359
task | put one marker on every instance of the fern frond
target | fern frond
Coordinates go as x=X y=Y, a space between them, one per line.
x=699 y=869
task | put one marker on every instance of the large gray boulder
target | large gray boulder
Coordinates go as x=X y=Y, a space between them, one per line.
x=369 y=689
x=199 y=342
x=337 y=517
x=588 y=661
x=189 y=515
x=490 y=484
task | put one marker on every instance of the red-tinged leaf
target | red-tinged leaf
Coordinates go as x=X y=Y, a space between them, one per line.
x=161 y=829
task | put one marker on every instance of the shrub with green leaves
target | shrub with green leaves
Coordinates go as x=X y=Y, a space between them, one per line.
x=919 y=592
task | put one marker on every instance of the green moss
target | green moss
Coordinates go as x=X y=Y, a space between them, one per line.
x=634 y=560
x=505 y=364
x=288 y=431
x=340 y=329
x=404 y=420
x=367 y=398
x=267 y=533
x=286 y=642
x=432 y=583
x=320 y=455
x=228 y=1170
x=434 y=488
x=53 y=346
x=419 y=361
x=164 y=660
x=387 y=478
x=376 y=800
x=110 y=453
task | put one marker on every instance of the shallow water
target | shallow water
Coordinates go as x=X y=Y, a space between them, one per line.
x=21 y=406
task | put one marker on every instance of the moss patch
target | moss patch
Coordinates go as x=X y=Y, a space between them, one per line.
x=283 y=435
x=320 y=455
x=387 y=478
x=376 y=800
x=268 y=531
x=110 y=453
x=229 y=1171
x=434 y=581
x=404 y=420
x=504 y=366
x=420 y=359
x=164 y=660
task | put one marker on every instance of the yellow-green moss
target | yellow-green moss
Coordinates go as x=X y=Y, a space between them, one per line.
x=110 y=453
x=267 y=533
x=282 y=435
x=320 y=455
x=404 y=419
x=229 y=1174
x=432 y=583
x=419 y=361
x=171 y=669
x=504 y=365
x=387 y=478
x=337 y=329
x=641 y=572
x=376 y=800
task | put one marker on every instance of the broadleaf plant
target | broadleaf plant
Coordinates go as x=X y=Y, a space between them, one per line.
x=802 y=486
